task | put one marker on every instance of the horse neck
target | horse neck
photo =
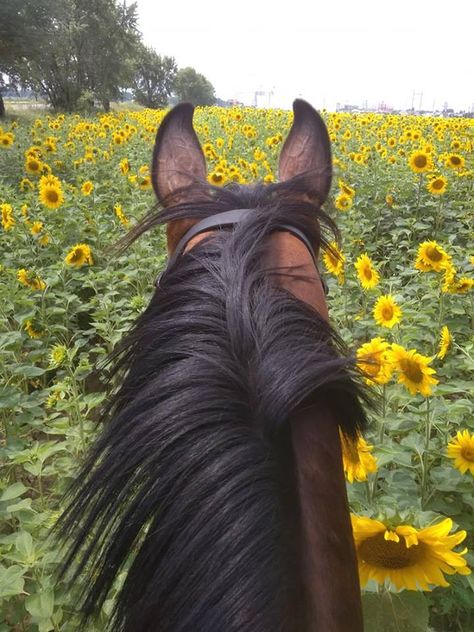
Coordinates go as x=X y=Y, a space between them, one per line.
x=329 y=564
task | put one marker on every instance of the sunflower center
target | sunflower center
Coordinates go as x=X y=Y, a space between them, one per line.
x=412 y=370
x=52 y=196
x=368 y=274
x=387 y=312
x=433 y=253
x=455 y=160
x=420 y=161
x=468 y=453
x=77 y=256
x=382 y=553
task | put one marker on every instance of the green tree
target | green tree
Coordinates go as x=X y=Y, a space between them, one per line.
x=153 y=78
x=64 y=48
x=190 y=85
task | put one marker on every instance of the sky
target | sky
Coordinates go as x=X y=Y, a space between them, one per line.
x=364 y=52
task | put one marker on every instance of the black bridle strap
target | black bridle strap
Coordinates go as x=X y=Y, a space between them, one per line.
x=229 y=218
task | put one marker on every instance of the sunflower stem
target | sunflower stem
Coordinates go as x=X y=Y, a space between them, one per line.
x=424 y=462
x=418 y=195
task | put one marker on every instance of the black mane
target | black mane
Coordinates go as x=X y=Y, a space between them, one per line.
x=191 y=484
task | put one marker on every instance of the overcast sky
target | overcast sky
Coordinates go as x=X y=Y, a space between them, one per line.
x=327 y=52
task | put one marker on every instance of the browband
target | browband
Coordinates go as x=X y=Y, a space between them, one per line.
x=229 y=218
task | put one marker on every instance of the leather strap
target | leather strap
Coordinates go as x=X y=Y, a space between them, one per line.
x=229 y=218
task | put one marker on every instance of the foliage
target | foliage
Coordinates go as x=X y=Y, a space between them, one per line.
x=63 y=48
x=153 y=78
x=62 y=318
x=191 y=86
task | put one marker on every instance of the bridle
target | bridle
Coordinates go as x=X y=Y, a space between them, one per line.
x=230 y=218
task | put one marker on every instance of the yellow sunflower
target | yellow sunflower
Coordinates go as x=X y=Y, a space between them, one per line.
x=124 y=166
x=405 y=556
x=368 y=275
x=431 y=256
x=420 y=162
x=346 y=189
x=437 y=185
x=79 y=255
x=455 y=161
x=445 y=342
x=123 y=219
x=50 y=192
x=31 y=330
x=30 y=279
x=462 y=286
x=373 y=359
x=33 y=165
x=413 y=370
x=461 y=449
x=334 y=260
x=8 y=220
x=386 y=311
x=87 y=188
x=217 y=178
x=343 y=202
x=357 y=459
x=389 y=200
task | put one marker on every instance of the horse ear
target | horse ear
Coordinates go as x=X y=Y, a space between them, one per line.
x=178 y=160
x=307 y=151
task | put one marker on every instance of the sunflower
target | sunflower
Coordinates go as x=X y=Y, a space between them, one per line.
x=57 y=355
x=36 y=228
x=79 y=255
x=217 y=178
x=461 y=449
x=420 y=162
x=346 y=189
x=455 y=161
x=33 y=165
x=6 y=140
x=334 y=260
x=386 y=311
x=8 y=220
x=31 y=330
x=50 y=192
x=389 y=200
x=368 y=275
x=357 y=459
x=405 y=556
x=124 y=166
x=462 y=286
x=87 y=188
x=30 y=279
x=413 y=370
x=123 y=219
x=437 y=185
x=431 y=256
x=343 y=202
x=445 y=342
x=373 y=359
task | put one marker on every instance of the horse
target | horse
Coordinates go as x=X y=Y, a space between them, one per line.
x=217 y=483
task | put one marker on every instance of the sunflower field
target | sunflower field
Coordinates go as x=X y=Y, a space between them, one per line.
x=400 y=295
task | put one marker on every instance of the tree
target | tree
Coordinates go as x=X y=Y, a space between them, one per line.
x=153 y=78
x=63 y=48
x=190 y=85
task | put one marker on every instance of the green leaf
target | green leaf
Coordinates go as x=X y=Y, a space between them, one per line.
x=15 y=490
x=395 y=612
x=11 y=581
x=41 y=605
x=25 y=547
x=28 y=371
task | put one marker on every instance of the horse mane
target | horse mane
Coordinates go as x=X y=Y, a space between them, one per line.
x=191 y=485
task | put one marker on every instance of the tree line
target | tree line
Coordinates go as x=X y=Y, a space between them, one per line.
x=75 y=53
